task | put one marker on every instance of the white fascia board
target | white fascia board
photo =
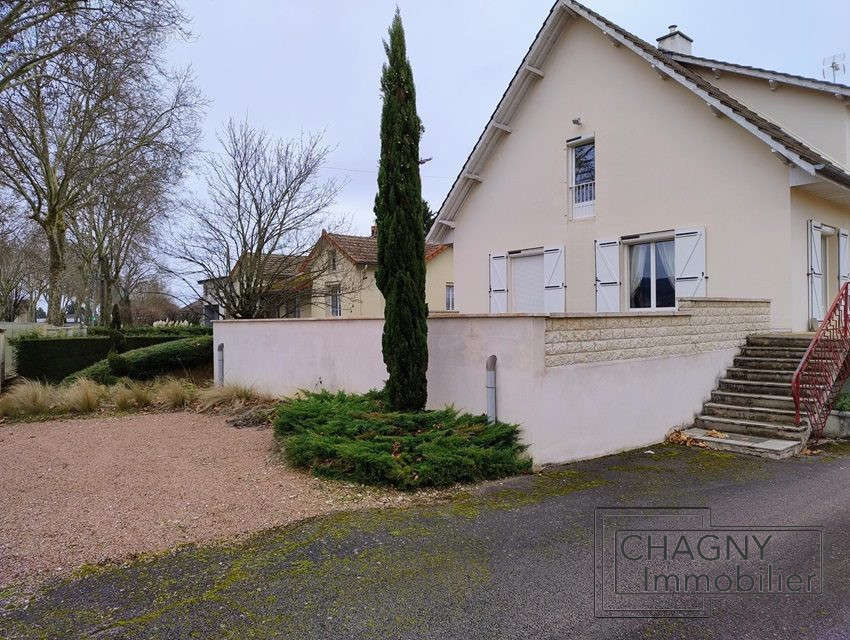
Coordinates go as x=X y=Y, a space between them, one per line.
x=660 y=67
x=770 y=76
x=499 y=122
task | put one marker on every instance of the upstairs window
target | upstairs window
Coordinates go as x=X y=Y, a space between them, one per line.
x=334 y=301
x=582 y=179
x=331 y=260
x=450 y=296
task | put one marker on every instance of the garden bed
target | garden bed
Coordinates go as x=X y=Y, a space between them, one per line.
x=355 y=437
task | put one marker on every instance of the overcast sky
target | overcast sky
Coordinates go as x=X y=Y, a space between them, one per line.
x=289 y=65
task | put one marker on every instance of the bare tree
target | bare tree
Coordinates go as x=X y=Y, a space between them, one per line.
x=77 y=118
x=265 y=207
x=70 y=26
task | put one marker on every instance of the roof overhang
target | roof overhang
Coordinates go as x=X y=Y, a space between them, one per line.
x=530 y=71
x=717 y=66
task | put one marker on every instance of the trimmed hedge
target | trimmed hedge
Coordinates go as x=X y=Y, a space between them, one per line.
x=147 y=330
x=150 y=362
x=53 y=359
x=355 y=437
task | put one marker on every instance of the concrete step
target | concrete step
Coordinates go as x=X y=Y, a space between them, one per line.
x=752 y=387
x=759 y=414
x=775 y=448
x=773 y=364
x=773 y=352
x=752 y=427
x=779 y=340
x=752 y=400
x=759 y=375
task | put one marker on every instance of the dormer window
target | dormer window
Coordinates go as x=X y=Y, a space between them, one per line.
x=582 y=168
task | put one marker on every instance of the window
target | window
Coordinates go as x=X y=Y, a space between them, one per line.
x=331 y=260
x=334 y=301
x=450 y=296
x=582 y=179
x=652 y=281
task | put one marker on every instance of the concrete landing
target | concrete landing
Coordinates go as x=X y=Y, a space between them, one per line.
x=751 y=445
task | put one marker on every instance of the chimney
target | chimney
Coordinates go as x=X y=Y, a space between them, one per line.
x=374 y=231
x=675 y=41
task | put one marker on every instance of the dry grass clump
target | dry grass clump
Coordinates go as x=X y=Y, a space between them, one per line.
x=174 y=394
x=28 y=398
x=232 y=395
x=132 y=395
x=84 y=396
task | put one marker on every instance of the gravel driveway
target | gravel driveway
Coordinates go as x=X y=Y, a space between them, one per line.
x=512 y=559
x=82 y=491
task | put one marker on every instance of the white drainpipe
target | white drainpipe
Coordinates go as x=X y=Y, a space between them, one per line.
x=220 y=364
x=491 y=389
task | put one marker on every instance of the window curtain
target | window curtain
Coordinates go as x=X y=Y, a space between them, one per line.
x=639 y=275
x=665 y=269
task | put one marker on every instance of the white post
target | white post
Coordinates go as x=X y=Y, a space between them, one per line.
x=220 y=364
x=491 y=389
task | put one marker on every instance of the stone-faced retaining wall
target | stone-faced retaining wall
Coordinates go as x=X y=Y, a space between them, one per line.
x=699 y=325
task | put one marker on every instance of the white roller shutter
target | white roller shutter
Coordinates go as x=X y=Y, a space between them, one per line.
x=817 y=304
x=498 y=283
x=690 y=263
x=607 y=275
x=554 y=280
x=843 y=257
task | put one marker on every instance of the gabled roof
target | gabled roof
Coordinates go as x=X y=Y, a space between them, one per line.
x=793 y=149
x=834 y=88
x=362 y=250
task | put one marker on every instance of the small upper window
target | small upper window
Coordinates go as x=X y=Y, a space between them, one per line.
x=332 y=260
x=583 y=179
x=450 y=296
x=334 y=301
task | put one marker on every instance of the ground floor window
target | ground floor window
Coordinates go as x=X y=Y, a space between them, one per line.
x=652 y=275
x=450 y=296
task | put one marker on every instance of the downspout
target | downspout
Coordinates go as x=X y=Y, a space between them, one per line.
x=220 y=350
x=491 y=389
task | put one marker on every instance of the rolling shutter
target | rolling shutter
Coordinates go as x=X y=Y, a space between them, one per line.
x=607 y=275
x=815 y=272
x=498 y=283
x=843 y=257
x=690 y=263
x=554 y=280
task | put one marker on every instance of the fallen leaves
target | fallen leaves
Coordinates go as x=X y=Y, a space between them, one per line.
x=680 y=437
x=714 y=433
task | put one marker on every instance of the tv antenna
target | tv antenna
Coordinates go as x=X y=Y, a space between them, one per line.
x=834 y=67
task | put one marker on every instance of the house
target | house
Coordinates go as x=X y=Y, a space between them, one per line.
x=342 y=267
x=618 y=176
x=630 y=233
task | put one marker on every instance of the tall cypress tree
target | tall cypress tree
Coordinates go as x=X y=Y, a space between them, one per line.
x=401 y=238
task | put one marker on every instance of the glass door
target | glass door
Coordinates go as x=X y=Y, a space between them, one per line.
x=652 y=277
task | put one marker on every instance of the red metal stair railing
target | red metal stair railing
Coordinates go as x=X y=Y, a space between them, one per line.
x=825 y=366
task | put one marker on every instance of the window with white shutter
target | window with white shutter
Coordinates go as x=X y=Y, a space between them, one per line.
x=607 y=275
x=498 y=283
x=554 y=280
x=690 y=263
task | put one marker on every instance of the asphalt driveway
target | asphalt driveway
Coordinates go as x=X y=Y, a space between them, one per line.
x=514 y=560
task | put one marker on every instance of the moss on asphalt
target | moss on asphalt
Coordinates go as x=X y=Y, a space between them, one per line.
x=372 y=565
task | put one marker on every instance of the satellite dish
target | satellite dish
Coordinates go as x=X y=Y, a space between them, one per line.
x=834 y=67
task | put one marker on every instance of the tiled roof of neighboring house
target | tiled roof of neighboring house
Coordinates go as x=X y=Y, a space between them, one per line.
x=665 y=63
x=734 y=67
x=364 y=249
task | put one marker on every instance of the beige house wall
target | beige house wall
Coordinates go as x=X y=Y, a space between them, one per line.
x=361 y=297
x=663 y=161
x=805 y=207
x=815 y=116
x=439 y=271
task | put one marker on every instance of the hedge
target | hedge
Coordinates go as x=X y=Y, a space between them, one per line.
x=149 y=362
x=148 y=330
x=52 y=359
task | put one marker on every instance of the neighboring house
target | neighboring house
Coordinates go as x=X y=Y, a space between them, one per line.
x=281 y=299
x=617 y=176
x=342 y=271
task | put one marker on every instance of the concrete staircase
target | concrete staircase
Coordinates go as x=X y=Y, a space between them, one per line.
x=752 y=405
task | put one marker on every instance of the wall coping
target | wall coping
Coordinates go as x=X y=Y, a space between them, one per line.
x=721 y=299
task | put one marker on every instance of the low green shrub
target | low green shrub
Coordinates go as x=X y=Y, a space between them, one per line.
x=151 y=331
x=355 y=437
x=150 y=362
x=843 y=402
